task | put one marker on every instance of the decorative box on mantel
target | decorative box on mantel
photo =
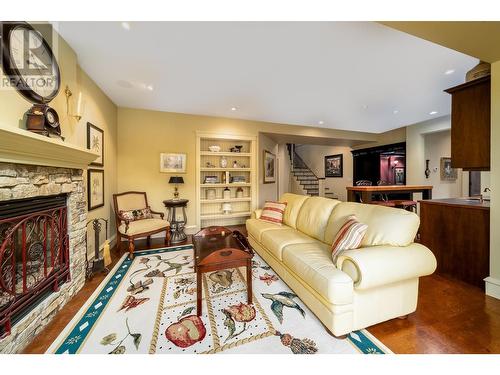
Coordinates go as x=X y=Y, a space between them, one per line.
x=33 y=166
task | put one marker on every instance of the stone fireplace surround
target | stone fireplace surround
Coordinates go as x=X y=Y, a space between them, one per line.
x=27 y=181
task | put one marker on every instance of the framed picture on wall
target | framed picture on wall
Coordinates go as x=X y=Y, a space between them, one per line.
x=334 y=165
x=95 y=143
x=95 y=188
x=172 y=163
x=447 y=172
x=269 y=167
x=399 y=175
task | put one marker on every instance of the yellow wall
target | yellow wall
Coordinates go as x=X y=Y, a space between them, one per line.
x=386 y=138
x=144 y=134
x=415 y=148
x=438 y=145
x=493 y=284
x=97 y=108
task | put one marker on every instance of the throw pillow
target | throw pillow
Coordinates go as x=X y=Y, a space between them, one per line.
x=273 y=212
x=133 y=215
x=349 y=237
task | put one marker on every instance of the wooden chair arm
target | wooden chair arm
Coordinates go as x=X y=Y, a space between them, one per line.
x=122 y=219
x=162 y=215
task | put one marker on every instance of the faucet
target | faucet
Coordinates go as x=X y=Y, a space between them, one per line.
x=486 y=190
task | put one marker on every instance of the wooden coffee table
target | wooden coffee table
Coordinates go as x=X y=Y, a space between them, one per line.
x=219 y=248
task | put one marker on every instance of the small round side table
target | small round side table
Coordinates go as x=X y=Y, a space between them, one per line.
x=176 y=226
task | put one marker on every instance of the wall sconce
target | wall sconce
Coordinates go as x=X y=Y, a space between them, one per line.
x=69 y=94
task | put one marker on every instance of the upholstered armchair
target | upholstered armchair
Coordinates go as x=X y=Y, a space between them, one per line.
x=135 y=219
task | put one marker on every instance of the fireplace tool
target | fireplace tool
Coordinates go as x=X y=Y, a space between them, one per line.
x=97 y=264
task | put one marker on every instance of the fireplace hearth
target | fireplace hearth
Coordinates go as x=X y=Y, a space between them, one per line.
x=34 y=258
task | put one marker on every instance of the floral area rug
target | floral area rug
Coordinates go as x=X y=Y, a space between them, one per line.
x=148 y=305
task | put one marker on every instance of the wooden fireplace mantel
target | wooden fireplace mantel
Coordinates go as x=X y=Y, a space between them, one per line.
x=24 y=147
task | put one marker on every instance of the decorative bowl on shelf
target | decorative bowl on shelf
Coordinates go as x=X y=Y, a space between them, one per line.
x=214 y=148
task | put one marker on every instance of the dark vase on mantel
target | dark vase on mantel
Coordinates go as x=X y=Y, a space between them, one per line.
x=427 y=170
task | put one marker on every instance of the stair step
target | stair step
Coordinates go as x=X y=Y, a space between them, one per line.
x=309 y=183
x=304 y=174
x=306 y=178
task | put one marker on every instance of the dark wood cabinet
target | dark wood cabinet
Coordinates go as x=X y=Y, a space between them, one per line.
x=470 y=125
x=458 y=234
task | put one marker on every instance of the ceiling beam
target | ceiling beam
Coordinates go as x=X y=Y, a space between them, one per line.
x=474 y=38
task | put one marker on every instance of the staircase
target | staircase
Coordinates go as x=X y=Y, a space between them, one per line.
x=302 y=173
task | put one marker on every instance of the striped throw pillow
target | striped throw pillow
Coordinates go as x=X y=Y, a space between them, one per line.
x=273 y=212
x=349 y=237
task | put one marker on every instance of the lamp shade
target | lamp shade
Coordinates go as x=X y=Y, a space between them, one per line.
x=176 y=180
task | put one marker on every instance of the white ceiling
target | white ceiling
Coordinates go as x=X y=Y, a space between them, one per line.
x=350 y=75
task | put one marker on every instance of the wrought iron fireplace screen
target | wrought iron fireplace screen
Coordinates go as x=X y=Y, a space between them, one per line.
x=34 y=254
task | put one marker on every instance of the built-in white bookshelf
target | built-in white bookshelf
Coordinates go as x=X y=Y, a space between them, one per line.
x=239 y=175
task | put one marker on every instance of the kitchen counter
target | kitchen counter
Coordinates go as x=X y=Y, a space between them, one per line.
x=366 y=192
x=459 y=202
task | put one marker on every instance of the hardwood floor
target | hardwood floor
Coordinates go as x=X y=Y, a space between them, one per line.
x=452 y=317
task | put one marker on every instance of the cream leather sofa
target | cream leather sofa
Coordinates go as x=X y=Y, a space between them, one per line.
x=369 y=285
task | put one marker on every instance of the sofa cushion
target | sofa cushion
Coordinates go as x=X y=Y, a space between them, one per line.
x=349 y=237
x=312 y=262
x=293 y=204
x=143 y=226
x=272 y=212
x=386 y=226
x=313 y=216
x=139 y=214
x=256 y=228
x=276 y=240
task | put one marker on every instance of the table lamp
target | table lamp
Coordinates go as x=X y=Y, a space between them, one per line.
x=176 y=180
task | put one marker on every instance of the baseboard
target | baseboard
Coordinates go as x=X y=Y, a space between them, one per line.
x=492 y=287
x=191 y=229
x=112 y=242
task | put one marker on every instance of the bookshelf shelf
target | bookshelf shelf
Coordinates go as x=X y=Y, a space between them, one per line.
x=210 y=206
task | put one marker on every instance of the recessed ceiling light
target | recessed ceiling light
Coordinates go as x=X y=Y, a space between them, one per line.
x=233 y=108
x=395 y=111
x=321 y=122
x=433 y=113
x=449 y=71
x=126 y=25
x=150 y=87
x=365 y=107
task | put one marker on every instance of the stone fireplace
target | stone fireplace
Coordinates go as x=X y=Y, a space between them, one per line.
x=19 y=182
